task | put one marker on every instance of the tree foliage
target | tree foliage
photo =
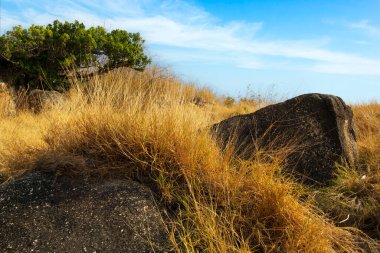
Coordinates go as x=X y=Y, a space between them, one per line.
x=41 y=55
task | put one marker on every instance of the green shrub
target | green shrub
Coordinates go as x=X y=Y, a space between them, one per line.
x=229 y=101
x=41 y=55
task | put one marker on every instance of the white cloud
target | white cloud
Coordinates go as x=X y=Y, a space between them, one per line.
x=362 y=42
x=366 y=27
x=348 y=68
x=176 y=24
x=9 y=20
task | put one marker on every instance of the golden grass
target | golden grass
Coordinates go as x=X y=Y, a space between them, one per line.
x=7 y=105
x=153 y=128
x=354 y=199
x=367 y=118
x=368 y=122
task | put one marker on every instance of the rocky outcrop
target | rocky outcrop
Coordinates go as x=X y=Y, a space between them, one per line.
x=318 y=130
x=38 y=99
x=41 y=212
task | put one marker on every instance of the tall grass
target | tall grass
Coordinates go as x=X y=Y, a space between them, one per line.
x=7 y=105
x=354 y=199
x=153 y=128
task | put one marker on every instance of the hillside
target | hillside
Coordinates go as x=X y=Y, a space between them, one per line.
x=153 y=128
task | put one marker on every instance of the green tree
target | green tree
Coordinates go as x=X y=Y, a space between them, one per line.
x=41 y=55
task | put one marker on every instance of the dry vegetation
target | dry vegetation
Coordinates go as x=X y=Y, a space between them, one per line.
x=354 y=199
x=153 y=128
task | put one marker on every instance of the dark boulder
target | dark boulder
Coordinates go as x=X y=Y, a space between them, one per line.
x=39 y=99
x=317 y=128
x=41 y=212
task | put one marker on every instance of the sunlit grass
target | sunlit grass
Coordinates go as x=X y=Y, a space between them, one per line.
x=153 y=128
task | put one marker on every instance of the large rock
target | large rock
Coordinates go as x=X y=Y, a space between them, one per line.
x=318 y=128
x=41 y=212
x=39 y=99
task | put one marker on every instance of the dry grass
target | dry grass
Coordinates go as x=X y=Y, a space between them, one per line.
x=153 y=128
x=7 y=105
x=367 y=118
x=354 y=199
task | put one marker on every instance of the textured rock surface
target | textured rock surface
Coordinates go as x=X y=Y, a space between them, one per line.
x=38 y=99
x=44 y=213
x=320 y=126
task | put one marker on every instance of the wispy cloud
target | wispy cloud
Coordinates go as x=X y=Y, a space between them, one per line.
x=362 y=42
x=172 y=25
x=365 y=26
x=8 y=20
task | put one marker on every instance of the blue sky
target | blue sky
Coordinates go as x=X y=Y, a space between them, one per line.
x=284 y=47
